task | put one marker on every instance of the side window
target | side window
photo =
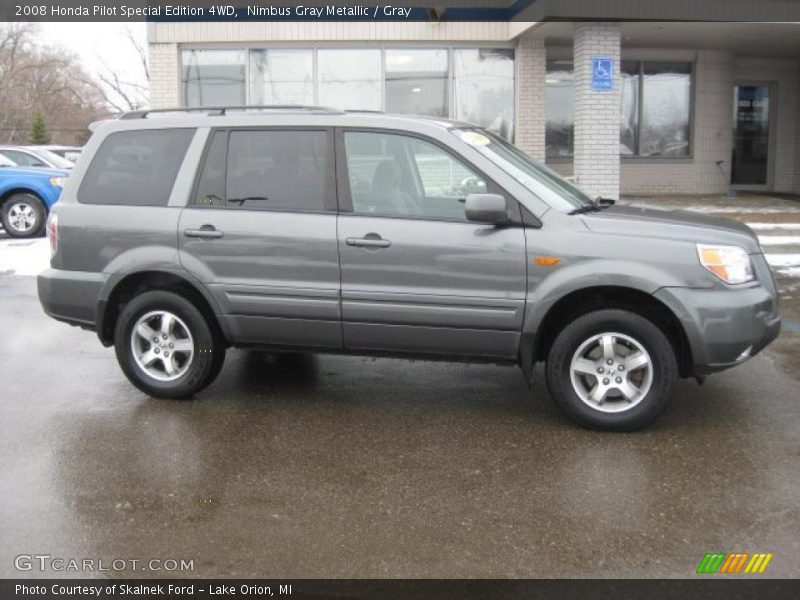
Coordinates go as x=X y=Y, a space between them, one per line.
x=135 y=168
x=23 y=159
x=398 y=175
x=211 y=185
x=278 y=170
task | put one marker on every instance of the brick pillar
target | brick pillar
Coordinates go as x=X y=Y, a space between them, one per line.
x=165 y=77
x=597 y=113
x=531 y=68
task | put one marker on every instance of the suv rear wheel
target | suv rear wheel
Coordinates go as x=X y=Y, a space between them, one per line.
x=166 y=347
x=23 y=215
x=612 y=369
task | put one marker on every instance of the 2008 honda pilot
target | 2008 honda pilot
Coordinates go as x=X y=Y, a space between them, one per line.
x=181 y=233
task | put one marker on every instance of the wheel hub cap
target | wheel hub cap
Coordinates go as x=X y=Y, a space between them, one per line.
x=22 y=217
x=162 y=345
x=611 y=372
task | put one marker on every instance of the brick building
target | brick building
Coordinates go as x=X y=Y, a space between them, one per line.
x=624 y=107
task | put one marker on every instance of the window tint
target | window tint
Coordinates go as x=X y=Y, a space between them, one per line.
x=278 y=170
x=397 y=175
x=211 y=186
x=135 y=167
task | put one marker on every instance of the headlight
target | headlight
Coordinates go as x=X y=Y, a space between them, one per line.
x=729 y=263
x=57 y=181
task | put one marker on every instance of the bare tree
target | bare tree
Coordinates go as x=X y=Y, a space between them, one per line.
x=48 y=81
x=123 y=94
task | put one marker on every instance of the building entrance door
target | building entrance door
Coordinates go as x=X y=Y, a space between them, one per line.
x=751 y=136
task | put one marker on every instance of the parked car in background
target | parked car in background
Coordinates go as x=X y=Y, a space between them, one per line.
x=71 y=153
x=35 y=156
x=26 y=197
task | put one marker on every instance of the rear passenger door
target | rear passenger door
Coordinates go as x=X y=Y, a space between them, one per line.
x=260 y=233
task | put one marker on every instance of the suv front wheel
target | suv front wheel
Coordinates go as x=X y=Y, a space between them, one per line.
x=612 y=369
x=166 y=347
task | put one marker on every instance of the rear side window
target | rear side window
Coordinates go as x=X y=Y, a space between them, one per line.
x=135 y=168
x=278 y=170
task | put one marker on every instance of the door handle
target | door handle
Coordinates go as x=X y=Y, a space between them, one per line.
x=369 y=242
x=206 y=232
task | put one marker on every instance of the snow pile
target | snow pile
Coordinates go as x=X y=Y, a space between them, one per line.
x=24 y=257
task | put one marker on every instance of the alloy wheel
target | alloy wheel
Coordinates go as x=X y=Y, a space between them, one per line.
x=162 y=345
x=611 y=372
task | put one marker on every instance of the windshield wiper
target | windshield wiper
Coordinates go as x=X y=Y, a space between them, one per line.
x=590 y=207
x=605 y=202
x=241 y=201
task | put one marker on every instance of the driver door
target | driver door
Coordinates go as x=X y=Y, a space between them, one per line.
x=416 y=276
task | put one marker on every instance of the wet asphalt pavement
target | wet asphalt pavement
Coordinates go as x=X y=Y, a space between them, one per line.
x=329 y=466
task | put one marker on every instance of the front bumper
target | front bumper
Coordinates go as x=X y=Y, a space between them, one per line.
x=70 y=296
x=724 y=326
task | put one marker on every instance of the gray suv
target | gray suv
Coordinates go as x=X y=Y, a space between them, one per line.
x=181 y=233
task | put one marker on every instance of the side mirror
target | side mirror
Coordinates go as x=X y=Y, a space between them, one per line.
x=486 y=208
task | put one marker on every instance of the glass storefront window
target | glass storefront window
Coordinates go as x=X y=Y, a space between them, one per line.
x=655 y=109
x=282 y=76
x=629 y=118
x=213 y=77
x=350 y=79
x=416 y=82
x=470 y=84
x=666 y=103
x=559 y=108
x=484 y=88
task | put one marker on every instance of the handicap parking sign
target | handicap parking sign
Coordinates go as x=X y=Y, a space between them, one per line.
x=602 y=74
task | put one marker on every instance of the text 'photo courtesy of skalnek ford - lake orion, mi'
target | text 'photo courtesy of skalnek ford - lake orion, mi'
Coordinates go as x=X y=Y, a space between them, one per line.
x=460 y=299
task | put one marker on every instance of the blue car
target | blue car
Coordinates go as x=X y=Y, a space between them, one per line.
x=26 y=196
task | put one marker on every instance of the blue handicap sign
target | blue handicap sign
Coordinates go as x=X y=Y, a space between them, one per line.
x=602 y=74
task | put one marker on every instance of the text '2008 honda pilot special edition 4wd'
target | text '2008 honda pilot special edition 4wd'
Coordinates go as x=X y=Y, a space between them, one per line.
x=180 y=233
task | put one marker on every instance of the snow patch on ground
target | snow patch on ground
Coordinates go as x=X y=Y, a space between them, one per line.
x=793 y=272
x=24 y=257
x=783 y=260
x=773 y=226
x=779 y=240
x=720 y=209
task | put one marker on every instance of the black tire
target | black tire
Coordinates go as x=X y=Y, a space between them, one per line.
x=35 y=205
x=662 y=356
x=208 y=349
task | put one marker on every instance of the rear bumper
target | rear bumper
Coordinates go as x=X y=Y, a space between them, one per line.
x=70 y=296
x=724 y=327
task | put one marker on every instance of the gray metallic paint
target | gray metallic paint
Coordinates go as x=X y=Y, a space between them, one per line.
x=460 y=289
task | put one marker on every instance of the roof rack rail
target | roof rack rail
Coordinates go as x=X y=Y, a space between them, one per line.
x=223 y=110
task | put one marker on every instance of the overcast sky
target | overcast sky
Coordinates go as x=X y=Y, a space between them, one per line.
x=96 y=43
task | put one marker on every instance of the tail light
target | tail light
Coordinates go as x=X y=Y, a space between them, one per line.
x=52 y=233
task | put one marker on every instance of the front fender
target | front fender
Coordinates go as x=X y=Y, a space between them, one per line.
x=545 y=291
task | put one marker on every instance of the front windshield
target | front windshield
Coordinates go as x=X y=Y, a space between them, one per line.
x=542 y=181
x=53 y=158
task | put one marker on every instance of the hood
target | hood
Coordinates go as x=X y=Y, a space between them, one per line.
x=672 y=224
x=28 y=171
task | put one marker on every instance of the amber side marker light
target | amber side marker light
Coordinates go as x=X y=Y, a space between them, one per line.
x=546 y=261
